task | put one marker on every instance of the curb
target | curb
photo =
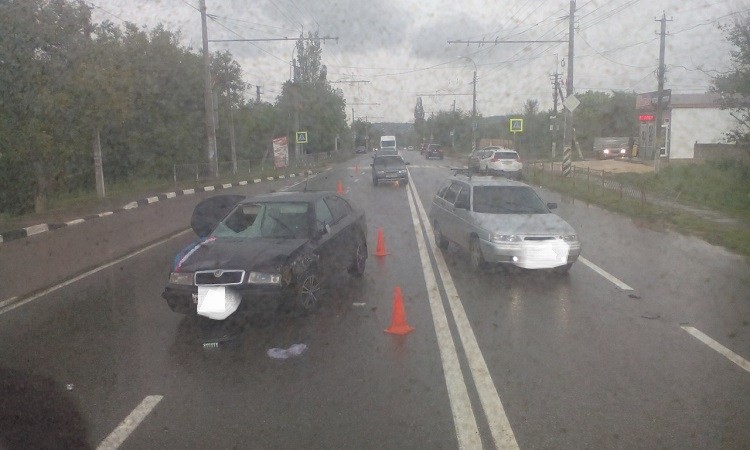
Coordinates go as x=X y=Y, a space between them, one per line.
x=45 y=227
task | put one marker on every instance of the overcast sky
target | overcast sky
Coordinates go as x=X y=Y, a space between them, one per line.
x=400 y=47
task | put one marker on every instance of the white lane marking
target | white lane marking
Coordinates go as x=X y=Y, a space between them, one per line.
x=502 y=433
x=188 y=191
x=171 y=194
x=730 y=355
x=209 y=188
x=7 y=301
x=152 y=199
x=13 y=306
x=75 y=222
x=130 y=423
x=464 y=420
x=605 y=274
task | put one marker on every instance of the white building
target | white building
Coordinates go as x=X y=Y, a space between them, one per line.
x=696 y=118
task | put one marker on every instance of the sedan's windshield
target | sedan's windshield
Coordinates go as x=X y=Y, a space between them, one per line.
x=266 y=220
x=507 y=200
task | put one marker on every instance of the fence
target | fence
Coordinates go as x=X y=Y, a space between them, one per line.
x=593 y=179
x=202 y=171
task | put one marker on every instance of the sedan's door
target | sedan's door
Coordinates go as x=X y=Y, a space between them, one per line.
x=449 y=223
x=462 y=216
x=330 y=244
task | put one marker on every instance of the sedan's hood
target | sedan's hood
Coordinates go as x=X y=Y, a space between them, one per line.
x=255 y=254
x=524 y=224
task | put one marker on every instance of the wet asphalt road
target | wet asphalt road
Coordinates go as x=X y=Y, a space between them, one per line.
x=575 y=361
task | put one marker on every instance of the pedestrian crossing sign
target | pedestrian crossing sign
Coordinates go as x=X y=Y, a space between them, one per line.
x=516 y=125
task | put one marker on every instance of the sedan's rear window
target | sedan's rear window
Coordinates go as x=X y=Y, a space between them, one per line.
x=507 y=200
x=506 y=155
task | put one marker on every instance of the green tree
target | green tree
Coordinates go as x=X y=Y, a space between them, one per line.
x=320 y=108
x=419 y=122
x=40 y=47
x=734 y=85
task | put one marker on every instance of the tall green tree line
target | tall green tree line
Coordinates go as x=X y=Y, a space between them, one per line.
x=68 y=85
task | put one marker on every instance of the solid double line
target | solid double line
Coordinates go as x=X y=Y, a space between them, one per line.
x=464 y=419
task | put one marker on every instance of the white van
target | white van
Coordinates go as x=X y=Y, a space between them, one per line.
x=387 y=142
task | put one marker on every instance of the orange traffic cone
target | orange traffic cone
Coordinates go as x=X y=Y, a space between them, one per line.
x=380 y=247
x=398 y=323
x=339 y=187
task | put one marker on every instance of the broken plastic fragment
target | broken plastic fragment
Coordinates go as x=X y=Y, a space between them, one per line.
x=281 y=353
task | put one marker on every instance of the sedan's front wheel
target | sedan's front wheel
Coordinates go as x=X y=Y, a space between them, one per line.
x=440 y=240
x=309 y=290
x=477 y=259
x=357 y=268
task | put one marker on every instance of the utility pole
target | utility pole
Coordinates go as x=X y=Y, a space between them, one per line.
x=568 y=134
x=257 y=93
x=659 y=93
x=213 y=161
x=554 y=127
x=474 y=112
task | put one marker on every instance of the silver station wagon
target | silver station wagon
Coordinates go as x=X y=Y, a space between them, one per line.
x=502 y=221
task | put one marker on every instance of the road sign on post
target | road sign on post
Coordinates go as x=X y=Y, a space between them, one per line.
x=301 y=137
x=516 y=125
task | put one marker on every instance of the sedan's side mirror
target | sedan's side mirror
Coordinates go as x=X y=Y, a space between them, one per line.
x=552 y=205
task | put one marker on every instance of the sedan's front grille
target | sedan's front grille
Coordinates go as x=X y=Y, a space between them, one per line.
x=219 y=277
x=539 y=238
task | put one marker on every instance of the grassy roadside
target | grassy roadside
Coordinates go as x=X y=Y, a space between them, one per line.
x=732 y=236
x=73 y=205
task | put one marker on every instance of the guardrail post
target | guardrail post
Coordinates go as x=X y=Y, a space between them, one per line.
x=620 y=190
x=588 y=179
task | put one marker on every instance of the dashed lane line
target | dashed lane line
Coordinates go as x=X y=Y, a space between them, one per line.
x=730 y=355
x=605 y=274
x=130 y=423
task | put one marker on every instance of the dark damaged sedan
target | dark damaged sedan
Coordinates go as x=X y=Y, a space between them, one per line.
x=269 y=250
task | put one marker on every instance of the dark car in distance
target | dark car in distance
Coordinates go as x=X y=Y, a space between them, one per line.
x=264 y=252
x=391 y=168
x=433 y=151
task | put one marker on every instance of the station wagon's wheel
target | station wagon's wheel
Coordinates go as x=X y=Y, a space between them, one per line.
x=360 y=258
x=440 y=240
x=309 y=290
x=477 y=259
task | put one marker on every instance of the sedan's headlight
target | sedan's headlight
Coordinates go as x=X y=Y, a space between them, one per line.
x=381 y=172
x=570 y=238
x=401 y=172
x=505 y=238
x=185 y=278
x=263 y=278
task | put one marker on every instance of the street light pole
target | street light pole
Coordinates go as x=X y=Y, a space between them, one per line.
x=213 y=162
